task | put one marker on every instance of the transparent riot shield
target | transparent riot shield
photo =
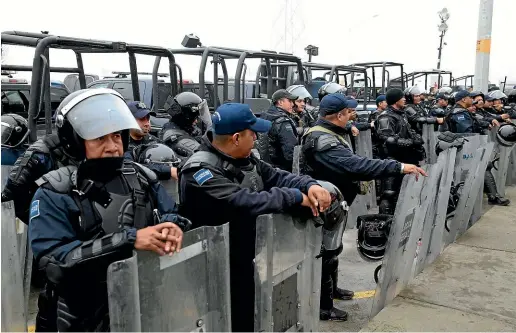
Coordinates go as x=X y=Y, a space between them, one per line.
x=14 y=310
x=296 y=160
x=172 y=188
x=430 y=245
x=511 y=169
x=501 y=160
x=6 y=169
x=473 y=185
x=186 y=292
x=430 y=139
x=404 y=242
x=364 y=147
x=287 y=274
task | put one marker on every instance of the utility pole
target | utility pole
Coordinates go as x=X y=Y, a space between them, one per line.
x=485 y=23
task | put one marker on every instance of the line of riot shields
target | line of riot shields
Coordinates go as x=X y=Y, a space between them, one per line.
x=190 y=291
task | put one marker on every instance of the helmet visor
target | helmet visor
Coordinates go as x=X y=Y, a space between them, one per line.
x=100 y=115
x=300 y=91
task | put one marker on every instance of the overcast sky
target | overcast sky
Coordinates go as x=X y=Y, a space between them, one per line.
x=345 y=31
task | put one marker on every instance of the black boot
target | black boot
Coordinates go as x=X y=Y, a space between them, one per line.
x=490 y=189
x=339 y=293
x=333 y=314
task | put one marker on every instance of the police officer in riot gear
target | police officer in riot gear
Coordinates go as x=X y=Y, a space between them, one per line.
x=15 y=131
x=462 y=120
x=84 y=218
x=142 y=137
x=416 y=114
x=381 y=105
x=399 y=142
x=283 y=135
x=481 y=111
x=188 y=114
x=304 y=113
x=41 y=157
x=327 y=156
x=236 y=187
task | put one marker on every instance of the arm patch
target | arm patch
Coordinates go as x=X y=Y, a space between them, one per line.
x=202 y=176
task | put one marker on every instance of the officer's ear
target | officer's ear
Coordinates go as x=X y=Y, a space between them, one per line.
x=236 y=138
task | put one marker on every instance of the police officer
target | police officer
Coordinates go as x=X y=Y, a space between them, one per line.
x=480 y=110
x=399 y=142
x=463 y=120
x=381 y=105
x=441 y=105
x=41 y=157
x=352 y=127
x=142 y=115
x=15 y=131
x=188 y=115
x=416 y=114
x=84 y=218
x=329 y=157
x=303 y=110
x=236 y=187
x=283 y=135
x=142 y=137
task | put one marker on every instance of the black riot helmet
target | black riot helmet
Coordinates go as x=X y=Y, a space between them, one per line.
x=372 y=235
x=330 y=88
x=334 y=217
x=506 y=135
x=15 y=130
x=185 y=108
x=410 y=92
x=511 y=97
x=157 y=153
x=89 y=114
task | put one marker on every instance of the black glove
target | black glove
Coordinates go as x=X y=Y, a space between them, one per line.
x=183 y=223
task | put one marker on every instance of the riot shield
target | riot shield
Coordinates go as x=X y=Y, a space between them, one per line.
x=501 y=160
x=430 y=139
x=477 y=208
x=6 y=169
x=436 y=216
x=473 y=183
x=172 y=188
x=296 y=160
x=404 y=243
x=14 y=310
x=433 y=226
x=287 y=274
x=511 y=169
x=186 y=292
x=364 y=147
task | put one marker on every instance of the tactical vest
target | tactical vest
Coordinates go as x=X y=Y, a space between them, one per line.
x=103 y=212
x=180 y=141
x=273 y=154
x=364 y=185
x=250 y=179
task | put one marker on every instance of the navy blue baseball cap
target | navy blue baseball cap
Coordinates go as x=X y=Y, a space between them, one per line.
x=380 y=99
x=334 y=103
x=139 y=109
x=462 y=94
x=231 y=118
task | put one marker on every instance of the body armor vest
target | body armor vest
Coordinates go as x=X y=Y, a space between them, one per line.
x=180 y=141
x=105 y=208
x=247 y=177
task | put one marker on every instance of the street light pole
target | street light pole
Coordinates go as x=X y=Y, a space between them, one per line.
x=443 y=27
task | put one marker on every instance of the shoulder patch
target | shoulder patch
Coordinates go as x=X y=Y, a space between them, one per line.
x=202 y=176
x=34 y=209
x=460 y=117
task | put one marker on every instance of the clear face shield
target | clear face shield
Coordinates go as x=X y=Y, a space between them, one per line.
x=204 y=113
x=94 y=114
